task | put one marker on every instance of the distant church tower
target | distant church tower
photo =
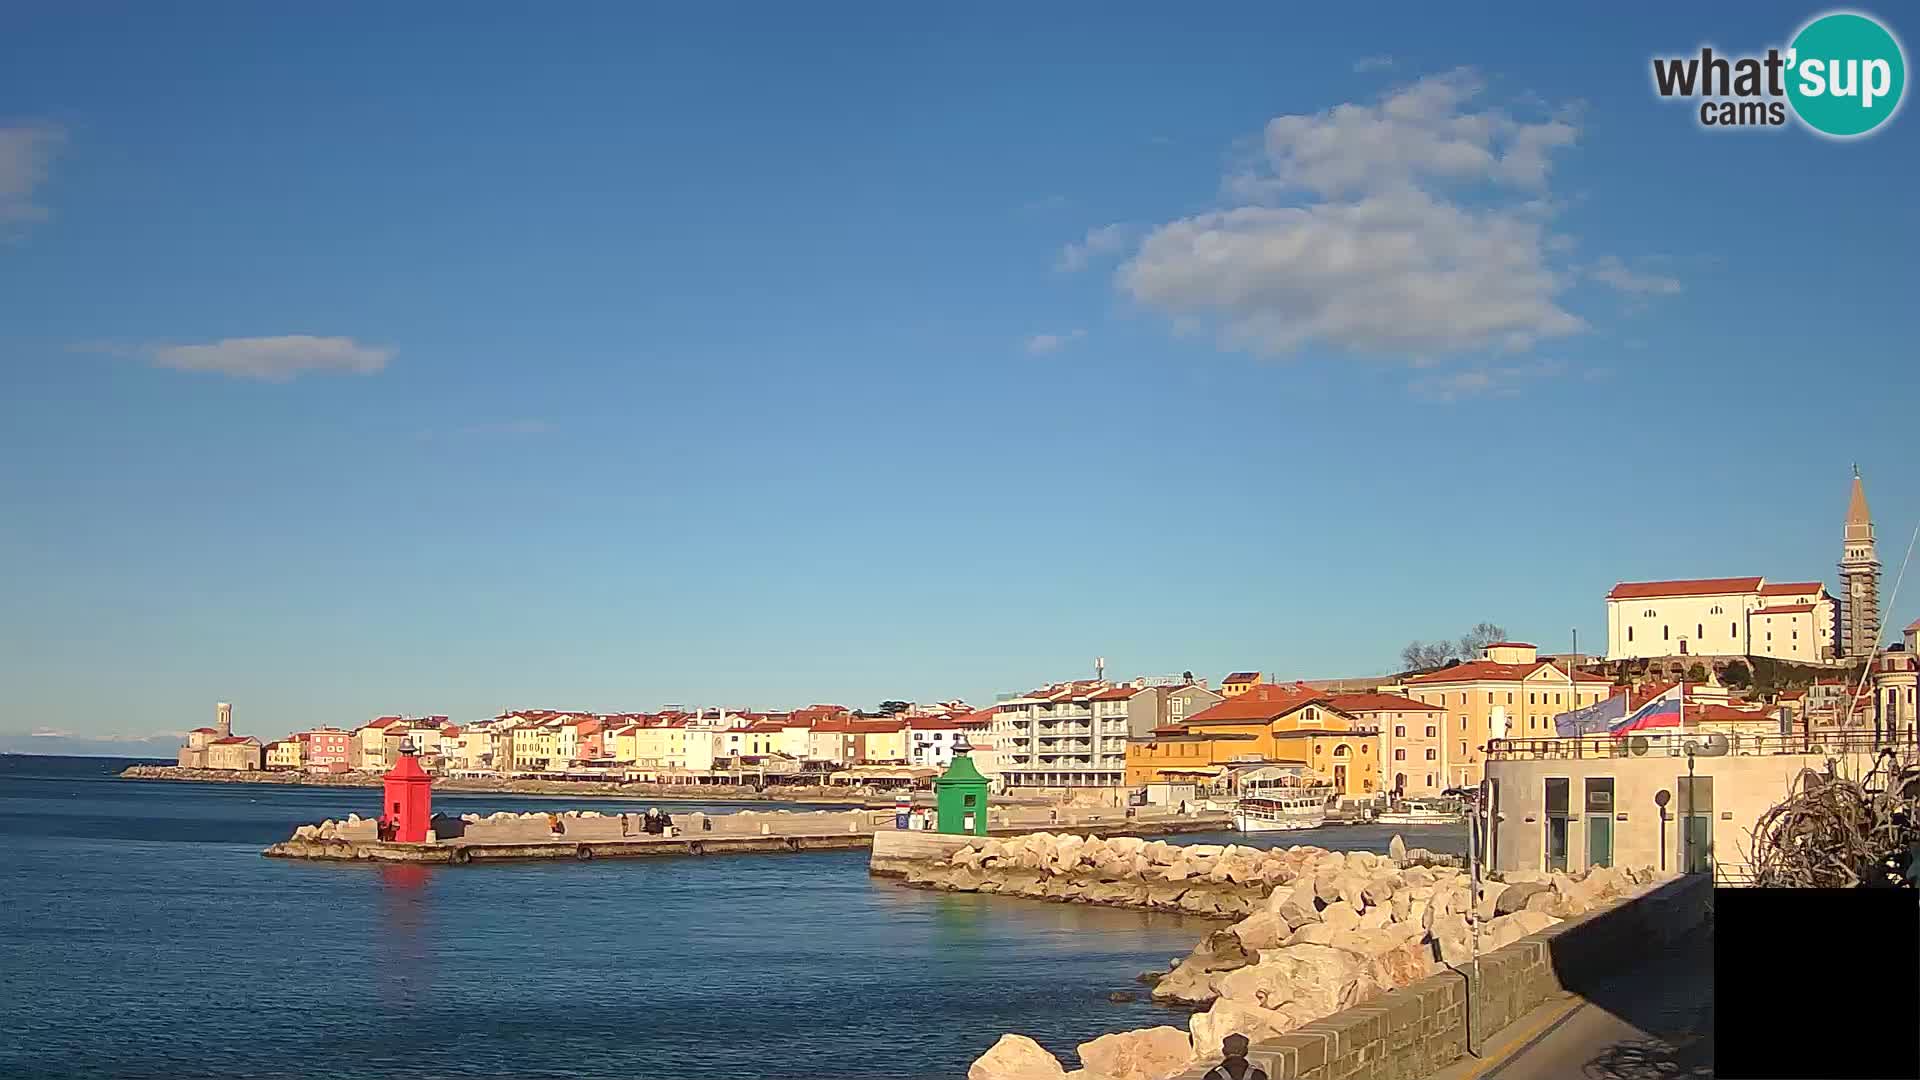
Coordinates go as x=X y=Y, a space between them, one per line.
x=1859 y=579
x=223 y=719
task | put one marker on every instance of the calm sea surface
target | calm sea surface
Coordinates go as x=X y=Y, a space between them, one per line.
x=143 y=935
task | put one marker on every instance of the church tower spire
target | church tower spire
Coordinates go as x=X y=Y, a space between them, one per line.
x=1859 y=578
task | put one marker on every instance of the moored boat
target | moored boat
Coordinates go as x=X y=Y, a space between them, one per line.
x=1281 y=809
x=1423 y=812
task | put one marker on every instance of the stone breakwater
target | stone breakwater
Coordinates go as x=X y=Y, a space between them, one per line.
x=1120 y=871
x=1332 y=930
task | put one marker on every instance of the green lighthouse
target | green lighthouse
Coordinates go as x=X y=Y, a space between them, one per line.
x=960 y=795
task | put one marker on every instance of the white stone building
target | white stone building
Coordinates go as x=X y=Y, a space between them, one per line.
x=1721 y=617
x=1071 y=734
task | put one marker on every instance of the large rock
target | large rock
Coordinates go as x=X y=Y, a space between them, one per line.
x=1326 y=885
x=1166 y=897
x=1514 y=897
x=1361 y=862
x=1381 y=888
x=1016 y=1057
x=1452 y=939
x=1397 y=850
x=1186 y=985
x=1228 y=1017
x=1341 y=915
x=1353 y=888
x=1297 y=905
x=1318 y=933
x=1489 y=899
x=1155 y=1053
x=1375 y=918
x=1261 y=930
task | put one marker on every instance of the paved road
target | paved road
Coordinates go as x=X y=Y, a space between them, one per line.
x=1655 y=1023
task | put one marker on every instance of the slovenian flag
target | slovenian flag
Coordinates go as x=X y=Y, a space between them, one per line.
x=1662 y=711
x=1592 y=720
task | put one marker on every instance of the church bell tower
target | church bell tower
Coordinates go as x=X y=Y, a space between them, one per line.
x=1859 y=578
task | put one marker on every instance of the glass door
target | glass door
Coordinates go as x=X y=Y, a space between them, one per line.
x=1557 y=823
x=1600 y=821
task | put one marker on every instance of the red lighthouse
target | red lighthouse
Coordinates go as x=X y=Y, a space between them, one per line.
x=407 y=805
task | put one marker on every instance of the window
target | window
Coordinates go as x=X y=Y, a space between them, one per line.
x=1463 y=748
x=1699 y=631
x=1509 y=697
x=1463 y=699
x=1733 y=629
x=1429 y=779
x=1400 y=755
x=1340 y=751
x=1629 y=633
x=1432 y=755
x=1530 y=700
x=1716 y=610
x=1432 y=730
x=1663 y=633
x=1463 y=723
x=1489 y=697
x=1399 y=731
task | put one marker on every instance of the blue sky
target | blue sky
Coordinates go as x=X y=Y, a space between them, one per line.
x=448 y=359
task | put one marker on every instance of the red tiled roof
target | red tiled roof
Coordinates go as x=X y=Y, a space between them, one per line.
x=1913 y=626
x=1513 y=645
x=450 y=732
x=935 y=723
x=1262 y=702
x=1711 y=713
x=1785 y=609
x=976 y=719
x=206 y=731
x=1641 y=590
x=1118 y=693
x=1790 y=588
x=767 y=726
x=1241 y=676
x=875 y=727
x=1488 y=671
x=1358 y=703
x=234 y=740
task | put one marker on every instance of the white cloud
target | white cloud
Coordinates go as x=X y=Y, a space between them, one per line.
x=1373 y=63
x=1098 y=243
x=1495 y=380
x=1414 y=225
x=26 y=154
x=1041 y=344
x=275 y=359
x=1609 y=270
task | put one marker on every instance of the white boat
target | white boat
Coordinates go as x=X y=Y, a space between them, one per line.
x=1423 y=812
x=1281 y=809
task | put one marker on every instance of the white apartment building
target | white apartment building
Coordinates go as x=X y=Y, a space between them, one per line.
x=1071 y=734
x=1714 y=617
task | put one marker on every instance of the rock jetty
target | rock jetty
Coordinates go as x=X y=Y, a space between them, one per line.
x=1127 y=871
x=1329 y=930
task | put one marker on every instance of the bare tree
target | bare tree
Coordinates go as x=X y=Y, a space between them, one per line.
x=1425 y=655
x=1482 y=635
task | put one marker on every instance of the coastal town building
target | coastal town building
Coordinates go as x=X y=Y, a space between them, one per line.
x=1896 y=681
x=326 y=750
x=1410 y=739
x=237 y=753
x=1268 y=724
x=1508 y=691
x=1240 y=682
x=1721 y=617
x=1066 y=735
x=288 y=754
x=1158 y=704
x=194 y=753
x=1567 y=804
x=1859 y=577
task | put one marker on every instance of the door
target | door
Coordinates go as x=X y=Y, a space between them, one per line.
x=1557 y=823
x=1340 y=779
x=1600 y=841
x=1696 y=824
x=1600 y=821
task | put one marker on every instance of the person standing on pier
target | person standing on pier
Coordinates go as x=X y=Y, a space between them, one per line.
x=1236 y=1067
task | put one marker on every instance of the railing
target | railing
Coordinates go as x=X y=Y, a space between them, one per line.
x=1674 y=743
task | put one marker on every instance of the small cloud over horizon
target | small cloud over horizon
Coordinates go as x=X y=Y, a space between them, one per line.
x=1042 y=344
x=268 y=359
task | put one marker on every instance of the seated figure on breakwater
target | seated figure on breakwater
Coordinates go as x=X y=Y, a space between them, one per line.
x=1236 y=1067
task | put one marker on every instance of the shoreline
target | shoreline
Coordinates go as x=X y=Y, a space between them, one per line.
x=510 y=788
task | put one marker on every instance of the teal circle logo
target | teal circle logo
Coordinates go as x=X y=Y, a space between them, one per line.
x=1845 y=74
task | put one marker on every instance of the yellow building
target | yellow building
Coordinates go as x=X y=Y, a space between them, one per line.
x=286 y=754
x=1240 y=682
x=1508 y=693
x=1266 y=723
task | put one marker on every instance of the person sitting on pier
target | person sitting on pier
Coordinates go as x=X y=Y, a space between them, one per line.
x=1236 y=1067
x=655 y=826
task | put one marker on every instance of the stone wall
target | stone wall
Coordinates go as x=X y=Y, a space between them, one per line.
x=1414 y=1031
x=1333 y=931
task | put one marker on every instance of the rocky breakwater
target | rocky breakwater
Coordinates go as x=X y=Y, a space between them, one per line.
x=1123 y=871
x=1335 y=929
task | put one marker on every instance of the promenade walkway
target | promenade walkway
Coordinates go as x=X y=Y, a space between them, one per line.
x=1652 y=1023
